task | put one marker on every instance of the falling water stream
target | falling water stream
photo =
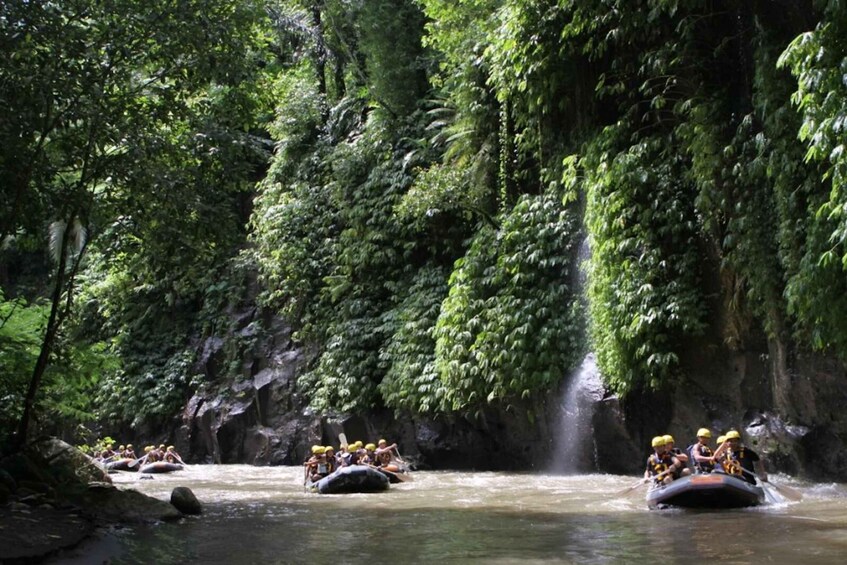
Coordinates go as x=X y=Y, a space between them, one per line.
x=262 y=515
x=574 y=446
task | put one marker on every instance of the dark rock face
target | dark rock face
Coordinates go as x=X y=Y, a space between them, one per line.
x=184 y=500
x=259 y=419
x=790 y=406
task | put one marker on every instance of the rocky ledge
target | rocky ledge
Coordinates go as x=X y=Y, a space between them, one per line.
x=52 y=497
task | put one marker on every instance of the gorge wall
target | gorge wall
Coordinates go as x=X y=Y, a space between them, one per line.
x=788 y=404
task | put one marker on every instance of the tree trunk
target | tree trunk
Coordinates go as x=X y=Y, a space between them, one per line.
x=47 y=343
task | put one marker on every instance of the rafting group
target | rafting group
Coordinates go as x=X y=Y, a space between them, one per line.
x=357 y=467
x=730 y=476
x=155 y=459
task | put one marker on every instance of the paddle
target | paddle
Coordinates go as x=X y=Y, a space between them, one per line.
x=180 y=461
x=644 y=481
x=342 y=437
x=132 y=464
x=784 y=491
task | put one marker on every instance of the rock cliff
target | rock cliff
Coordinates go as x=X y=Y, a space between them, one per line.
x=789 y=406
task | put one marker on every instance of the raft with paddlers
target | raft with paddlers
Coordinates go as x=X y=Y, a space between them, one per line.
x=160 y=467
x=120 y=465
x=708 y=490
x=355 y=478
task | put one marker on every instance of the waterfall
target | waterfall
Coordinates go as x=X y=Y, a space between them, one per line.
x=574 y=443
x=574 y=434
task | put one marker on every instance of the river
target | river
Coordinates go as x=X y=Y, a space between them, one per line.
x=262 y=515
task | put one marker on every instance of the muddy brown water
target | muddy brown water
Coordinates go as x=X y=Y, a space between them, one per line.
x=262 y=515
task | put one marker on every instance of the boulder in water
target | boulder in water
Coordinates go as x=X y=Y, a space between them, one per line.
x=184 y=500
x=63 y=459
x=110 y=504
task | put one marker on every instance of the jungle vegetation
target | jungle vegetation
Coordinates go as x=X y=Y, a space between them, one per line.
x=409 y=183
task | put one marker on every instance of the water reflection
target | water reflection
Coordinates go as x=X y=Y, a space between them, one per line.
x=262 y=515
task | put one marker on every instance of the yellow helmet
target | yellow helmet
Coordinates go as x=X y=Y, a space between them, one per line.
x=658 y=441
x=668 y=439
x=121 y=447
x=733 y=434
x=721 y=439
x=359 y=443
x=161 y=446
x=129 y=446
x=170 y=448
x=351 y=448
x=315 y=449
x=370 y=447
x=704 y=432
x=329 y=448
x=381 y=442
x=148 y=449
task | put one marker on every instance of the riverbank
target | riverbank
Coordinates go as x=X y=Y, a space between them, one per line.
x=53 y=498
x=29 y=533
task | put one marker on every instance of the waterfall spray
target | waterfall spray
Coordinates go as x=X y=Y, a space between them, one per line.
x=574 y=444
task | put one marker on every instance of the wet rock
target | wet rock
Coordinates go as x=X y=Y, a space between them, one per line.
x=614 y=449
x=183 y=499
x=7 y=480
x=21 y=466
x=28 y=534
x=830 y=459
x=67 y=463
x=259 y=419
x=112 y=505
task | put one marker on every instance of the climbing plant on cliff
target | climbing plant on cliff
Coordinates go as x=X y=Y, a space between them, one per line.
x=817 y=58
x=645 y=257
x=507 y=327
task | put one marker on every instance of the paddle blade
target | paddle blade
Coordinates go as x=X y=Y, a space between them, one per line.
x=632 y=488
x=787 y=492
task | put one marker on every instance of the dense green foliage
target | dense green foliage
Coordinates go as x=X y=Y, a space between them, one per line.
x=129 y=123
x=76 y=370
x=435 y=166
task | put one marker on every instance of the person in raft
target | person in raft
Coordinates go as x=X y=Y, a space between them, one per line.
x=351 y=457
x=171 y=456
x=316 y=467
x=129 y=452
x=385 y=455
x=331 y=460
x=740 y=460
x=369 y=457
x=661 y=465
x=108 y=453
x=701 y=455
x=679 y=455
x=151 y=454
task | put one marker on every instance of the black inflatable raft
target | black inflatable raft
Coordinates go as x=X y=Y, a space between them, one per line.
x=120 y=465
x=355 y=478
x=160 y=467
x=712 y=490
